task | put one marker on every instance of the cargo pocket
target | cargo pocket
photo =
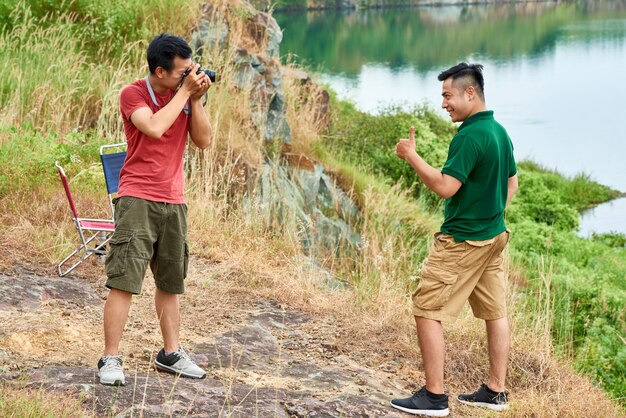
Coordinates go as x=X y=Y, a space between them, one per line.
x=122 y=205
x=117 y=260
x=446 y=251
x=186 y=261
x=435 y=288
x=475 y=251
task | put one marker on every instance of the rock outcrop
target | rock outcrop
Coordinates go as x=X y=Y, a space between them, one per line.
x=311 y=204
x=28 y=291
x=303 y=196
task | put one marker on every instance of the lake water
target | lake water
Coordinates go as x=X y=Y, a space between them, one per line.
x=554 y=74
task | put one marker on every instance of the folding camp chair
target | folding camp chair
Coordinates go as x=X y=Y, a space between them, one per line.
x=112 y=163
x=94 y=233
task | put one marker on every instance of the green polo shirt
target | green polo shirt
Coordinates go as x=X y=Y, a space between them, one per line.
x=481 y=157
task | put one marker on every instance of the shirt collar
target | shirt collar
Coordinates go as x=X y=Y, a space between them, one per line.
x=484 y=115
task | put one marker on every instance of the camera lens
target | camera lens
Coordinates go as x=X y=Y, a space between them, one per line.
x=210 y=73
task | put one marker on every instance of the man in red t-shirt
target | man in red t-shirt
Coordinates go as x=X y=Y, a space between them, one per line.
x=150 y=212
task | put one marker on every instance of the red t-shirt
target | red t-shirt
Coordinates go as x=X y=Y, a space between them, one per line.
x=153 y=169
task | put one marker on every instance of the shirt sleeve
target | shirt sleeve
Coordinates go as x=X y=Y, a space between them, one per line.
x=463 y=154
x=512 y=165
x=131 y=99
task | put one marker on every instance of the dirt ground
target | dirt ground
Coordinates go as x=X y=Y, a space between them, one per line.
x=51 y=336
x=267 y=352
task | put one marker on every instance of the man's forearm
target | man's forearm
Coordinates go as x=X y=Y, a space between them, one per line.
x=158 y=123
x=512 y=186
x=200 y=127
x=430 y=176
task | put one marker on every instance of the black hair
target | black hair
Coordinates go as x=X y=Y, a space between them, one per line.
x=468 y=74
x=164 y=48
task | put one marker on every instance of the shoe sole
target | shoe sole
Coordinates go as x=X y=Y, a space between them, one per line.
x=493 y=407
x=427 y=412
x=162 y=367
x=112 y=382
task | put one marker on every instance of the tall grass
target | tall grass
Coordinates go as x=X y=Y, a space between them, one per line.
x=63 y=62
x=41 y=87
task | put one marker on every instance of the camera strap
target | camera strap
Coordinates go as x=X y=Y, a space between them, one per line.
x=186 y=109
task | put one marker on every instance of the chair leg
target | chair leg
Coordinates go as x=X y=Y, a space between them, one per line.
x=86 y=254
x=99 y=249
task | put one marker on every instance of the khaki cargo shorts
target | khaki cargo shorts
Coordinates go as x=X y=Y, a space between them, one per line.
x=458 y=271
x=152 y=233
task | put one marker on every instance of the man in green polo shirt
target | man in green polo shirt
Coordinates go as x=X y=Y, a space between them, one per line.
x=465 y=262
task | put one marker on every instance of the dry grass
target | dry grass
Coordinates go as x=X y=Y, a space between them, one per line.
x=376 y=327
x=305 y=102
x=16 y=403
x=38 y=227
x=77 y=89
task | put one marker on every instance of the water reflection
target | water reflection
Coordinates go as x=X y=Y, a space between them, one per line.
x=550 y=72
x=428 y=38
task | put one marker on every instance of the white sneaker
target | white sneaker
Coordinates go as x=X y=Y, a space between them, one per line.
x=179 y=363
x=110 y=371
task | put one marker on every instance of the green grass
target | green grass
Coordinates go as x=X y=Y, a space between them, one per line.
x=105 y=27
x=368 y=141
x=28 y=159
x=64 y=61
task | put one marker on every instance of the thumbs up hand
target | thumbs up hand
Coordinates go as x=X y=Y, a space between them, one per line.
x=406 y=147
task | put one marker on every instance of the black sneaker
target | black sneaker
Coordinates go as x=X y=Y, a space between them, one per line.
x=486 y=398
x=179 y=363
x=423 y=403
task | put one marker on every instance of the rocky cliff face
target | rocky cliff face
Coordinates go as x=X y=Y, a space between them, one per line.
x=302 y=196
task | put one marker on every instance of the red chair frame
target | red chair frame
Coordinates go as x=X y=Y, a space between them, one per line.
x=94 y=233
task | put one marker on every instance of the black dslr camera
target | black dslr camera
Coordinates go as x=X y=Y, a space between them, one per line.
x=210 y=73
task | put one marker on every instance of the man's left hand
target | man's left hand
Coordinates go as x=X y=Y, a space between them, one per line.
x=205 y=85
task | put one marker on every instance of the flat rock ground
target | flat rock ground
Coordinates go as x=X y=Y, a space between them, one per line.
x=263 y=359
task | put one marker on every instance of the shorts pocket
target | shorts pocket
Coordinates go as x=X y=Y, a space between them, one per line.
x=475 y=251
x=435 y=287
x=117 y=260
x=122 y=205
x=186 y=260
x=445 y=251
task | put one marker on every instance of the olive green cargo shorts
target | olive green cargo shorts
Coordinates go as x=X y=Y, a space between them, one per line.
x=455 y=272
x=148 y=232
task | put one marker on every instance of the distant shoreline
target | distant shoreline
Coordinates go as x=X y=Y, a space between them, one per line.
x=355 y=4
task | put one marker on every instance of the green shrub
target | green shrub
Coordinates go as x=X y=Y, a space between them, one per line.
x=610 y=239
x=579 y=192
x=538 y=202
x=603 y=355
x=27 y=158
x=368 y=141
x=590 y=325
